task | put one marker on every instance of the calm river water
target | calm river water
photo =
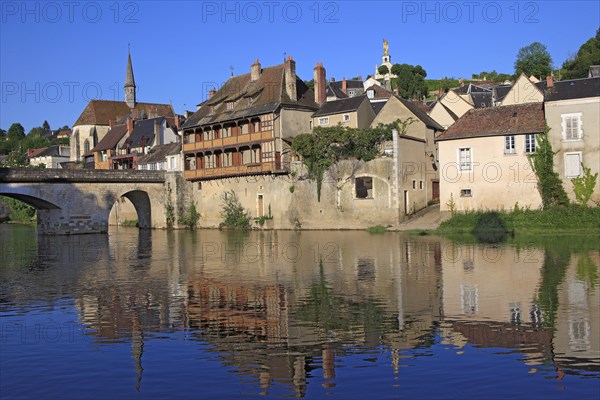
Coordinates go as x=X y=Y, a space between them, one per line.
x=209 y=314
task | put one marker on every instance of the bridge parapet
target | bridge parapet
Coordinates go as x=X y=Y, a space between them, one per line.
x=79 y=175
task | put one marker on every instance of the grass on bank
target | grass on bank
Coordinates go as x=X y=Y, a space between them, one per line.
x=572 y=218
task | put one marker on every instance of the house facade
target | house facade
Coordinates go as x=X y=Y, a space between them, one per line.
x=244 y=128
x=572 y=109
x=49 y=157
x=418 y=175
x=352 y=112
x=484 y=161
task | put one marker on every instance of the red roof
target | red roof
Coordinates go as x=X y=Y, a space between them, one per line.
x=498 y=121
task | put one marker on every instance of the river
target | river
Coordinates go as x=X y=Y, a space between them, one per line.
x=312 y=314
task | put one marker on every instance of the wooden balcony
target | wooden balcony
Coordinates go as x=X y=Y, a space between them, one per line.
x=228 y=141
x=223 y=172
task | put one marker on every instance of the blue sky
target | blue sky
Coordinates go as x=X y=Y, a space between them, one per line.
x=55 y=56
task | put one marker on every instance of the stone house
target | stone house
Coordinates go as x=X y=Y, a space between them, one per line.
x=572 y=109
x=244 y=128
x=95 y=120
x=418 y=176
x=352 y=112
x=50 y=157
x=483 y=159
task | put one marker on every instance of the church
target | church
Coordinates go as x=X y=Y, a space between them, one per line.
x=98 y=116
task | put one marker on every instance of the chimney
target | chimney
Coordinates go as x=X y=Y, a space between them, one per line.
x=320 y=82
x=290 y=78
x=332 y=79
x=360 y=78
x=157 y=136
x=177 y=121
x=129 y=126
x=344 y=85
x=111 y=123
x=211 y=92
x=549 y=81
x=255 y=71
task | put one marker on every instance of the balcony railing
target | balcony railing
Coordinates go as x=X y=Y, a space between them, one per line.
x=228 y=141
x=239 y=170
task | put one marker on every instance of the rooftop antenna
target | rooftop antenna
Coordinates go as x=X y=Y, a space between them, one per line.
x=231 y=68
x=284 y=56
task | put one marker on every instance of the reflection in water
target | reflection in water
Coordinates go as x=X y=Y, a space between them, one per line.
x=284 y=309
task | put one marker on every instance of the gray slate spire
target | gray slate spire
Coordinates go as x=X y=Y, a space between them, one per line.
x=129 y=84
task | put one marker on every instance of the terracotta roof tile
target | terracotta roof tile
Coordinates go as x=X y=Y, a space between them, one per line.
x=100 y=112
x=251 y=98
x=498 y=121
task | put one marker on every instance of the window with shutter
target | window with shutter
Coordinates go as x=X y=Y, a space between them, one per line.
x=572 y=164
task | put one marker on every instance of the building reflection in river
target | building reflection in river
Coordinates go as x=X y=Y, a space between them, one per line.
x=280 y=306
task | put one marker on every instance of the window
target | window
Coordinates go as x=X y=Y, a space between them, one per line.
x=509 y=144
x=572 y=164
x=515 y=312
x=227 y=159
x=324 y=121
x=571 y=126
x=464 y=159
x=226 y=131
x=351 y=93
x=346 y=117
x=371 y=93
x=469 y=295
x=266 y=122
x=421 y=185
x=229 y=105
x=364 y=187
x=465 y=193
x=530 y=143
x=211 y=110
x=310 y=126
x=414 y=184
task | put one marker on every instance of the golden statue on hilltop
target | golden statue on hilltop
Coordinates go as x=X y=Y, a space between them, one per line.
x=385 y=46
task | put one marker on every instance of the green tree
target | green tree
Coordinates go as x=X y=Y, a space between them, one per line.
x=533 y=60
x=579 y=65
x=410 y=81
x=16 y=132
x=396 y=69
x=46 y=126
x=2 y=134
x=383 y=69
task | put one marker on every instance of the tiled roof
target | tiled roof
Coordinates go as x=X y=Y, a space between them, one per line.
x=379 y=92
x=339 y=106
x=143 y=128
x=481 y=99
x=100 y=112
x=250 y=98
x=497 y=121
x=111 y=139
x=49 y=151
x=419 y=113
x=377 y=106
x=158 y=153
x=335 y=91
x=502 y=91
x=571 y=89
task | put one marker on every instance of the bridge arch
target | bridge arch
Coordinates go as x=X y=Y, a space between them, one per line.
x=35 y=202
x=143 y=207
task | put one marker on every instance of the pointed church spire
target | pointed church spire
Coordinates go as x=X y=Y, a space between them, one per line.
x=129 y=83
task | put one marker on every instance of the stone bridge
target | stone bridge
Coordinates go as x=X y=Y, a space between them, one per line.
x=79 y=201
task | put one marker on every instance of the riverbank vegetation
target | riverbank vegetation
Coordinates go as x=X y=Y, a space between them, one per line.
x=572 y=218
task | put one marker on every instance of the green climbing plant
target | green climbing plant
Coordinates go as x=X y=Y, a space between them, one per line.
x=583 y=186
x=549 y=183
x=326 y=146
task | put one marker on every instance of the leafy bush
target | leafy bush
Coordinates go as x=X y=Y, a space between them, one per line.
x=490 y=228
x=235 y=216
x=189 y=217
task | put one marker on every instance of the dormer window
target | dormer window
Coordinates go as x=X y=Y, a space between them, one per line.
x=229 y=105
x=370 y=93
x=211 y=110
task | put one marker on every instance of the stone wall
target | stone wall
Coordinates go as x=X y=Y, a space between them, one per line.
x=293 y=201
x=79 y=175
